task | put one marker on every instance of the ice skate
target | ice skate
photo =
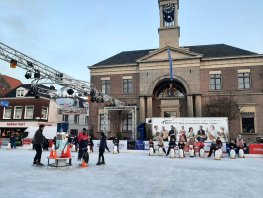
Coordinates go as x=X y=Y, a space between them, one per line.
x=151 y=153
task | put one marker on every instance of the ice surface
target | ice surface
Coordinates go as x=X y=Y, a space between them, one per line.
x=130 y=174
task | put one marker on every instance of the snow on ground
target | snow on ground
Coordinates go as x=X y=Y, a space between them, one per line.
x=131 y=174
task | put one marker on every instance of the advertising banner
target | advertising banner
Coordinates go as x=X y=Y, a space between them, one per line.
x=212 y=127
x=256 y=149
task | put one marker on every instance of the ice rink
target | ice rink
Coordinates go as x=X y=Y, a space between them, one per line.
x=131 y=174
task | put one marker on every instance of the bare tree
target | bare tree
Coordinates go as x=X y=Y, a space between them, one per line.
x=222 y=106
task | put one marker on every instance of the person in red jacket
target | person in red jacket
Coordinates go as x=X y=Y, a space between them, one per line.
x=83 y=139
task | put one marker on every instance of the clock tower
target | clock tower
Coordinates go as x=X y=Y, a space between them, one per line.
x=169 y=31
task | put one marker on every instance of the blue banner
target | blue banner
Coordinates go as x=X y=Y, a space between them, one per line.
x=171 y=63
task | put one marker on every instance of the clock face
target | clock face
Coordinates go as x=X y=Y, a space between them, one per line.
x=168 y=12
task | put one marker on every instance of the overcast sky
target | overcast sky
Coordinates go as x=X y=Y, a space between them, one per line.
x=70 y=35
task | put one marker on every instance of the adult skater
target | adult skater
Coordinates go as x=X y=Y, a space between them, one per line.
x=232 y=145
x=172 y=144
x=103 y=146
x=13 y=141
x=38 y=145
x=116 y=143
x=83 y=139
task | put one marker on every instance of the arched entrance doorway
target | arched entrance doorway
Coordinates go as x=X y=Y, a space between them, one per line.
x=169 y=99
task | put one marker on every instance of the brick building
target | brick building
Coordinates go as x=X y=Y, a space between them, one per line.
x=142 y=78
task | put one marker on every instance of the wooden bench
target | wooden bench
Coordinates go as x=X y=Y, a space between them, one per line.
x=60 y=162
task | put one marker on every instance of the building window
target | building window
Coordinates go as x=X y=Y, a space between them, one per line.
x=44 y=113
x=127 y=122
x=7 y=113
x=86 y=120
x=29 y=112
x=127 y=86
x=244 y=79
x=65 y=118
x=18 y=113
x=105 y=86
x=103 y=122
x=215 y=80
x=248 y=122
x=20 y=92
x=76 y=119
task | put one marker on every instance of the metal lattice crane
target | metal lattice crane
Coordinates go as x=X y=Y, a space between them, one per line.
x=43 y=74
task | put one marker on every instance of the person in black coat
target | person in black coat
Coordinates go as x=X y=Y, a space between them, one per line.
x=45 y=143
x=172 y=144
x=39 y=145
x=232 y=145
x=116 y=143
x=103 y=146
x=213 y=147
x=91 y=144
x=151 y=145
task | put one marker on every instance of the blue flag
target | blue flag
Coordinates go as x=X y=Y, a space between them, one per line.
x=171 y=63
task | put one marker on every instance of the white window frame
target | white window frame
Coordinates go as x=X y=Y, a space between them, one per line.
x=105 y=86
x=64 y=116
x=214 y=73
x=25 y=115
x=127 y=122
x=243 y=71
x=44 y=118
x=86 y=120
x=127 y=78
x=77 y=120
x=101 y=114
x=4 y=114
x=14 y=116
x=20 y=92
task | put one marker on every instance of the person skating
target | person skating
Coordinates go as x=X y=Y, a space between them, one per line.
x=38 y=145
x=91 y=144
x=83 y=142
x=181 y=145
x=103 y=146
x=172 y=144
x=116 y=143
x=213 y=147
x=151 y=145
x=232 y=145
x=13 y=141
x=161 y=143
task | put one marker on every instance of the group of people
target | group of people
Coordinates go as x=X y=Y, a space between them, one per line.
x=83 y=141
